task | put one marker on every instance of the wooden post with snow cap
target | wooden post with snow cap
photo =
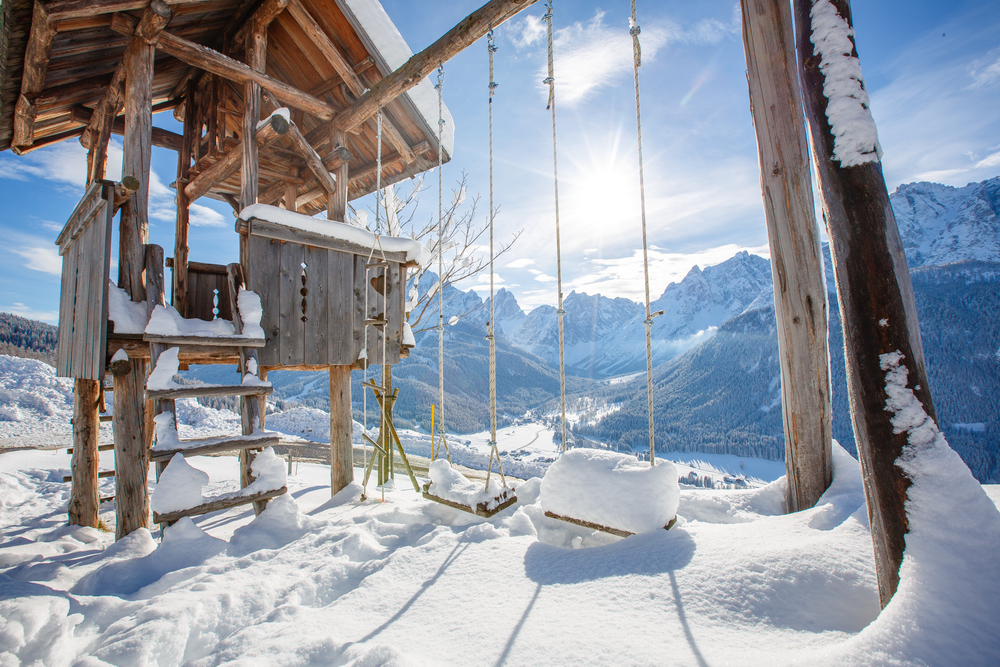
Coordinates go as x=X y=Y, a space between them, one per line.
x=873 y=280
x=796 y=263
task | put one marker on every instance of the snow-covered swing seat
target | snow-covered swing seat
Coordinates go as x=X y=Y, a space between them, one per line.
x=446 y=485
x=612 y=492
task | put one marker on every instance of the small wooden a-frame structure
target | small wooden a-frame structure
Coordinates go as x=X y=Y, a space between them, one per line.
x=278 y=100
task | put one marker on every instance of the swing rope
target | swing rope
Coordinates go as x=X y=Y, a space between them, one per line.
x=551 y=81
x=440 y=327
x=634 y=30
x=491 y=47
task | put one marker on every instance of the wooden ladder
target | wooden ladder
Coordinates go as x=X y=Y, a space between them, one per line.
x=248 y=443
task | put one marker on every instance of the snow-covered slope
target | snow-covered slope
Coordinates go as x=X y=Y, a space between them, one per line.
x=321 y=581
x=941 y=224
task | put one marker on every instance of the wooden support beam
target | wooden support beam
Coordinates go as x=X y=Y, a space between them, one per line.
x=124 y=191
x=212 y=61
x=95 y=138
x=227 y=165
x=180 y=267
x=418 y=67
x=338 y=204
x=256 y=57
x=797 y=262
x=84 y=497
x=877 y=306
x=65 y=10
x=265 y=14
x=36 y=65
x=313 y=160
x=161 y=138
x=346 y=72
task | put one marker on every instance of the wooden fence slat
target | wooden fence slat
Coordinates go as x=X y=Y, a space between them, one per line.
x=263 y=278
x=287 y=303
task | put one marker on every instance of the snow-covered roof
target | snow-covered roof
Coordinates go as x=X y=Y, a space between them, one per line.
x=414 y=251
x=390 y=51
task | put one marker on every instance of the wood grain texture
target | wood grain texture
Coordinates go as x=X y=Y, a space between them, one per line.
x=220 y=504
x=84 y=497
x=877 y=308
x=796 y=260
x=341 y=462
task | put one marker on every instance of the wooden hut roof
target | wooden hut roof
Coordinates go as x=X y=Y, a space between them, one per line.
x=331 y=49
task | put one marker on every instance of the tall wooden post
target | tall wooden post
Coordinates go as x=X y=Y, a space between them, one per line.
x=131 y=449
x=84 y=497
x=341 y=421
x=877 y=306
x=256 y=56
x=796 y=262
x=181 y=248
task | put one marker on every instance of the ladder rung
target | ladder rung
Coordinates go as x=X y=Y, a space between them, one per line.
x=106 y=418
x=203 y=390
x=226 y=341
x=223 y=502
x=100 y=448
x=216 y=445
x=100 y=475
x=367 y=383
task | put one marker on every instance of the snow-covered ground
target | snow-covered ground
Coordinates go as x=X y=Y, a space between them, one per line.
x=316 y=580
x=342 y=581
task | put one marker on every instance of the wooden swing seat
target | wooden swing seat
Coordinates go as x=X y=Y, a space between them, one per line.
x=596 y=526
x=507 y=497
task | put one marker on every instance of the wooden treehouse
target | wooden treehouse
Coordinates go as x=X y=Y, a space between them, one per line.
x=280 y=102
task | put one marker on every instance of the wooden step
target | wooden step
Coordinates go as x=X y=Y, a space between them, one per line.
x=202 y=390
x=233 y=341
x=223 y=502
x=100 y=448
x=216 y=445
x=103 y=473
x=106 y=418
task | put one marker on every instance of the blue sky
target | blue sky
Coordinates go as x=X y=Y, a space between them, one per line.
x=933 y=70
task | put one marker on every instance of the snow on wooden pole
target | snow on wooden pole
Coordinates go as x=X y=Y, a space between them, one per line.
x=796 y=263
x=873 y=280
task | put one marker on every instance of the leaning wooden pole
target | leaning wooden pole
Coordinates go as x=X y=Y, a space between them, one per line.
x=796 y=262
x=873 y=280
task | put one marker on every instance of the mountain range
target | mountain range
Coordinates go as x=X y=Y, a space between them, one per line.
x=715 y=348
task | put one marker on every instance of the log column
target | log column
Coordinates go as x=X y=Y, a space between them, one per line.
x=181 y=248
x=876 y=304
x=131 y=441
x=341 y=421
x=256 y=56
x=796 y=262
x=84 y=497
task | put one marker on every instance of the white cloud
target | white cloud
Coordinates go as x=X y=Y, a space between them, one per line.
x=986 y=71
x=545 y=278
x=528 y=31
x=989 y=161
x=24 y=311
x=203 y=216
x=589 y=56
x=520 y=263
x=41 y=258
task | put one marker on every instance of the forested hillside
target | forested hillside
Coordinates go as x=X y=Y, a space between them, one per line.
x=21 y=337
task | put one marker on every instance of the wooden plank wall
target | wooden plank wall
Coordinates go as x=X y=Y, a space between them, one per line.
x=85 y=246
x=203 y=280
x=313 y=314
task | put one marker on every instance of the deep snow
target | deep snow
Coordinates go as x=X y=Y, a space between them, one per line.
x=315 y=580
